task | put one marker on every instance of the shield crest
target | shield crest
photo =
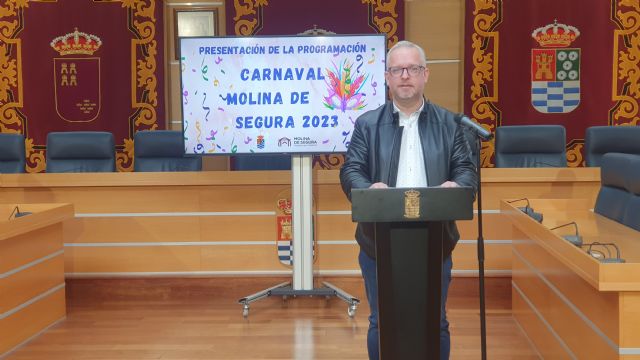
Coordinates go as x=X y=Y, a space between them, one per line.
x=555 y=69
x=555 y=80
x=77 y=88
x=284 y=230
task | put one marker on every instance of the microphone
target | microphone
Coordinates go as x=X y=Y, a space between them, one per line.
x=17 y=213
x=574 y=239
x=600 y=255
x=528 y=210
x=481 y=132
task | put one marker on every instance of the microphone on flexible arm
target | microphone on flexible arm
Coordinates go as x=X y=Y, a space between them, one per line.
x=528 y=210
x=600 y=255
x=16 y=211
x=481 y=132
x=480 y=135
x=574 y=239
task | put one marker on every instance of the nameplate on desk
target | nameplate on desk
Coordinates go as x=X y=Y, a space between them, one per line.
x=412 y=204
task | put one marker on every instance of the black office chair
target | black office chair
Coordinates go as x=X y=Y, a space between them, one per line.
x=261 y=162
x=12 y=153
x=162 y=150
x=615 y=187
x=80 y=151
x=531 y=146
x=599 y=140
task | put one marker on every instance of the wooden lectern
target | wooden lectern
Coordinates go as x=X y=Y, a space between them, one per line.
x=409 y=230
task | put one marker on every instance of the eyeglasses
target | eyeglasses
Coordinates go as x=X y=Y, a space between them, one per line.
x=413 y=70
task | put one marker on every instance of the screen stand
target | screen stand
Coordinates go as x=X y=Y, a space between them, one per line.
x=303 y=238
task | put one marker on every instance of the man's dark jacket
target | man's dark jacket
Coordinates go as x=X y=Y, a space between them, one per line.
x=374 y=153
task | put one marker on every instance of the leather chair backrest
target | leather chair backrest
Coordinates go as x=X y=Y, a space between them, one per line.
x=12 y=153
x=632 y=214
x=619 y=196
x=80 y=151
x=599 y=140
x=162 y=150
x=531 y=146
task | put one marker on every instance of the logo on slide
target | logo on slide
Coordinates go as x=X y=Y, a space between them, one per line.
x=260 y=141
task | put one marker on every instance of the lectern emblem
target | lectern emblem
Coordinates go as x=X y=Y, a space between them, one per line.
x=411 y=204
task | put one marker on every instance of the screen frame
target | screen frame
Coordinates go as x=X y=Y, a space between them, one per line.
x=272 y=153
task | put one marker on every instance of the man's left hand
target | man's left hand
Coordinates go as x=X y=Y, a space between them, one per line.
x=449 y=184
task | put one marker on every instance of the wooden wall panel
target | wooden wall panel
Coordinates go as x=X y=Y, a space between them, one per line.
x=546 y=344
x=24 y=285
x=581 y=339
x=443 y=87
x=132 y=259
x=23 y=324
x=31 y=246
x=123 y=207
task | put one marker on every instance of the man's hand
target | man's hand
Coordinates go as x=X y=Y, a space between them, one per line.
x=449 y=184
x=378 y=185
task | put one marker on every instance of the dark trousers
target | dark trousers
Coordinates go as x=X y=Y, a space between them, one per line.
x=368 y=266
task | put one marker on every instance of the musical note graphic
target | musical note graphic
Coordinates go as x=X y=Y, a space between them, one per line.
x=374 y=85
x=221 y=109
x=359 y=60
x=204 y=72
x=215 y=81
x=218 y=60
x=373 y=58
x=182 y=64
x=248 y=140
x=199 y=132
x=185 y=94
x=213 y=135
x=206 y=108
x=325 y=141
x=344 y=141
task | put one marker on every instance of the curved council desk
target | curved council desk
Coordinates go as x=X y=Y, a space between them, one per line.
x=32 y=292
x=224 y=222
x=570 y=304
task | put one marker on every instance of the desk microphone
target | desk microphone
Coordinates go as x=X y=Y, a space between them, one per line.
x=16 y=211
x=528 y=210
x=600 y=255
x=574 y=239
x=482 y=133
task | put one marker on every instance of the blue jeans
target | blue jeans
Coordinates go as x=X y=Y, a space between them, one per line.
x=368 y=266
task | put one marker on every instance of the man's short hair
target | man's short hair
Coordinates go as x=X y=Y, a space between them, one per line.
x=407 y=44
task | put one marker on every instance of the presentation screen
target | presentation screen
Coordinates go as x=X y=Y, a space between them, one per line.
x=296 y=94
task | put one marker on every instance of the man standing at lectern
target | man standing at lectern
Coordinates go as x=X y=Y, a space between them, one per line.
x=408 y=142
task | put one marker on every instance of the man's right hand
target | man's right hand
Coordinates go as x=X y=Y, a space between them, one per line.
x=378 y=185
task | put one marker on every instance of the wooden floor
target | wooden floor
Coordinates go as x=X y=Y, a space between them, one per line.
x=201 y=319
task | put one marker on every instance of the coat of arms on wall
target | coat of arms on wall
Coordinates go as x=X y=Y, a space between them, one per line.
x=77 y=79
x=555 y=69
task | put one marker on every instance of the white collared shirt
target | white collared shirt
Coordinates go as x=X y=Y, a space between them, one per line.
x=411 y=168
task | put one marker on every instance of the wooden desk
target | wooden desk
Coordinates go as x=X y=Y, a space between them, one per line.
x=224 y=223
x=31 y=271
x=570 y=304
